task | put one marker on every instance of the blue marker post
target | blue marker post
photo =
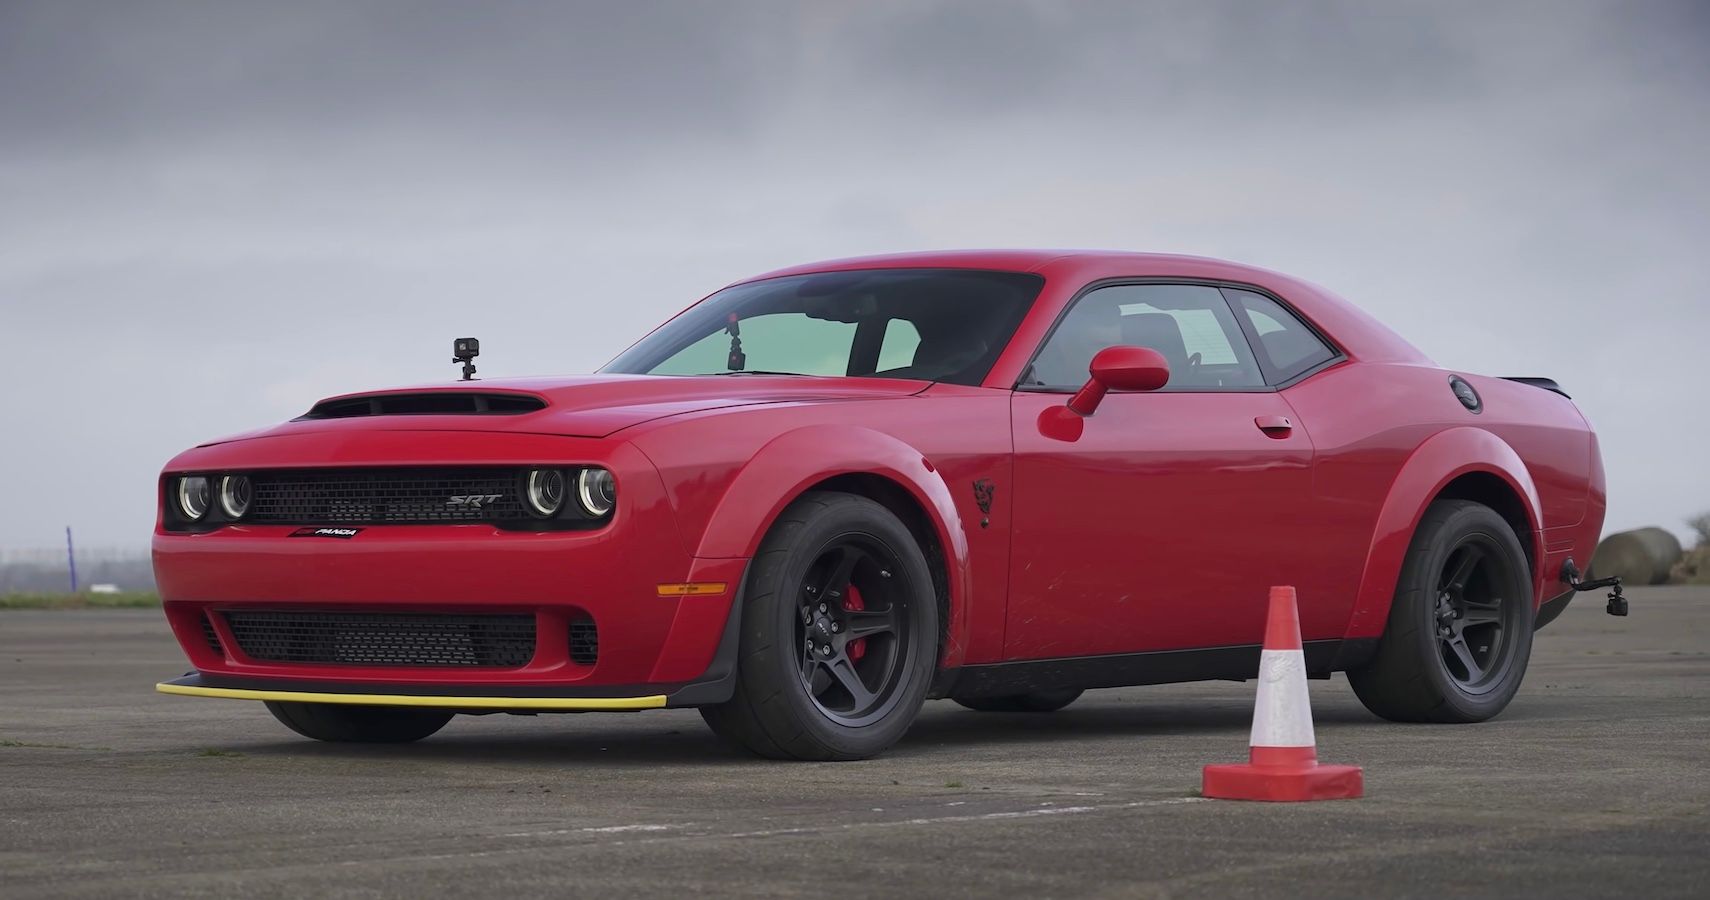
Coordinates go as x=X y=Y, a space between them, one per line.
x=71 y=559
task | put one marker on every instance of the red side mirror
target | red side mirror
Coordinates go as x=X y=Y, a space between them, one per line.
x=1124 y=369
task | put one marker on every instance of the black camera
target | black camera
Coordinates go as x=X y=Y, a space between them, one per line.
x=464 y=350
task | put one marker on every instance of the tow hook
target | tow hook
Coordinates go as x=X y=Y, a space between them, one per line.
x=1617 y=605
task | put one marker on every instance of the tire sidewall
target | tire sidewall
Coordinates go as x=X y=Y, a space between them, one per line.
x=1457 y=527
x=777 y=589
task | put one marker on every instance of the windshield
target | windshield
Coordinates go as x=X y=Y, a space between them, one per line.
x=928 y=324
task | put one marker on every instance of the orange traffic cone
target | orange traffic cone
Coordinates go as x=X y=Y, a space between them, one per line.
x=1283 y=764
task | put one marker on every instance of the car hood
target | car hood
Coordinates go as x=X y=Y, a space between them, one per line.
x=581 y=406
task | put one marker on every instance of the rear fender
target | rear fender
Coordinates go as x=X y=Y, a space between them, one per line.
x=1441 y=459
x=795 y=461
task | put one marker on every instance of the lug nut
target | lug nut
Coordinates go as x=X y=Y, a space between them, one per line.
x=824 y=649
x=836 y=628
x=822 y=607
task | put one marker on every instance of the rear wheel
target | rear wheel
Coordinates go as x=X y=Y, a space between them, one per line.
x=341 y=723
x=839 y=634
x=1460 y=629
x=1038 y=701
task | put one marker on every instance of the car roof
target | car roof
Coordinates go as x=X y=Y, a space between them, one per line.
x=999 y=260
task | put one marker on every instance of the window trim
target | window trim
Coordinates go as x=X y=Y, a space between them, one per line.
x=1245 y=320
x=1338 y=355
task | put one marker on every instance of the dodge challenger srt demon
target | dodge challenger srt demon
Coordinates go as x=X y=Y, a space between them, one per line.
x=821 y=496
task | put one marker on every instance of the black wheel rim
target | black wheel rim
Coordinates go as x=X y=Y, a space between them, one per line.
x=855 y=625
x=1475 y=614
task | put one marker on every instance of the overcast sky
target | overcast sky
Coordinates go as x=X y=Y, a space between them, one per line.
x=212 y=214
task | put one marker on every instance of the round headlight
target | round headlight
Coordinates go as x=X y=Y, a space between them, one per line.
x=544 y=489
x=193 y=496
x=235 y=494
x=597 y=491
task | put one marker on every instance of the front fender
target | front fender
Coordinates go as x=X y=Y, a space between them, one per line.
x=1442 y=458
x=795 y=461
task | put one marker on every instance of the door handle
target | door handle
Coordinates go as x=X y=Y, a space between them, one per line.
x=1277 y=427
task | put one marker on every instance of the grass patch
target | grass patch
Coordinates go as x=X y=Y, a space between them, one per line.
x=952 y=784
x=216 y=752
x=123 y=600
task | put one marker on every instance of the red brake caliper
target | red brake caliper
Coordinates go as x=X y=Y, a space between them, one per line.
x=852 y=602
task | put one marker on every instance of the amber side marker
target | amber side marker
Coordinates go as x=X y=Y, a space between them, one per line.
x=692 y=589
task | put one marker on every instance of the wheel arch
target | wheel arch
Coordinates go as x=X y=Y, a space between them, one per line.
x=1458 y=463
x=867 y=463
x=904 y=506
x=1490 y=489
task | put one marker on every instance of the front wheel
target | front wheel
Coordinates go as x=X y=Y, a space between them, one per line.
x=1460 y=628
x=839 y=634
x=341 y=723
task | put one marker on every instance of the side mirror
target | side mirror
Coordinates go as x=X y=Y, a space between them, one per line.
x=1122 y=368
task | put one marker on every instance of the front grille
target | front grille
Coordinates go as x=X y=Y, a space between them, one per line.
x=395 y=496
x=385 y=639
x=584 y=643
x=211 y=636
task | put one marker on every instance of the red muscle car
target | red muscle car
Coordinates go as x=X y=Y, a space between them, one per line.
x=819 y=497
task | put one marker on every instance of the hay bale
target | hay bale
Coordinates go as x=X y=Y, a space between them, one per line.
x=1641 y=556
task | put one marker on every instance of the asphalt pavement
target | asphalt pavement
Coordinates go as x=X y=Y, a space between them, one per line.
x=1595 y=782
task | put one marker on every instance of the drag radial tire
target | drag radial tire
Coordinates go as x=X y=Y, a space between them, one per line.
x=348 y=724
x=1460 y=627
x=840 y=634
x=1039 y=701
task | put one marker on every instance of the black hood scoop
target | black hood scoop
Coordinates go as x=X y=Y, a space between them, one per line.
x=425 y=403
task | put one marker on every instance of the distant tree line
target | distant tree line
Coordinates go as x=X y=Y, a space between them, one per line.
x=35 y=573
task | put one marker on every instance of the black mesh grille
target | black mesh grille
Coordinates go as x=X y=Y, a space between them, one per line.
x=212 y=637
x=385 y=639
x=354 y=497
x=584 y=643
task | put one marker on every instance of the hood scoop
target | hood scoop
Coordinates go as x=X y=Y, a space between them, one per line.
x=425 y=403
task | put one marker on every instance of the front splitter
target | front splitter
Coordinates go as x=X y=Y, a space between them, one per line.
x=191 y=686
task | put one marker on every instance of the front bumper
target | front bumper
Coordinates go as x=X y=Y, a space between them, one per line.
x=715 y=685
x=653 y=648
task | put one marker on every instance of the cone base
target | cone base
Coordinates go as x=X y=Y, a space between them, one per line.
x=1245 y=781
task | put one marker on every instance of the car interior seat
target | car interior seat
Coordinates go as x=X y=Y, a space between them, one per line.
x=1064 y=360
x=946 y=352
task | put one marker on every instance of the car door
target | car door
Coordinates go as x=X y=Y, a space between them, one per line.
x=1159 y=521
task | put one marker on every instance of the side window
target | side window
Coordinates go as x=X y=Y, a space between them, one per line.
x=1191 y=325
x=1287 y=346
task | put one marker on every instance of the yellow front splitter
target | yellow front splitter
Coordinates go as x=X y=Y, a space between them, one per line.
x=567 y=704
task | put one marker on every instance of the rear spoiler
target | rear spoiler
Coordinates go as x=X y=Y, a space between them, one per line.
x=1548 y=384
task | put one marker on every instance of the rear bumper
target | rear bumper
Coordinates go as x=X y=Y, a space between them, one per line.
x=1551 y=608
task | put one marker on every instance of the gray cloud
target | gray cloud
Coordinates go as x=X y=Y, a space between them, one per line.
x=213 y=213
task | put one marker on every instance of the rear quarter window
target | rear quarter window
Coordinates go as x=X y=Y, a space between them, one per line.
x=1286 y=346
